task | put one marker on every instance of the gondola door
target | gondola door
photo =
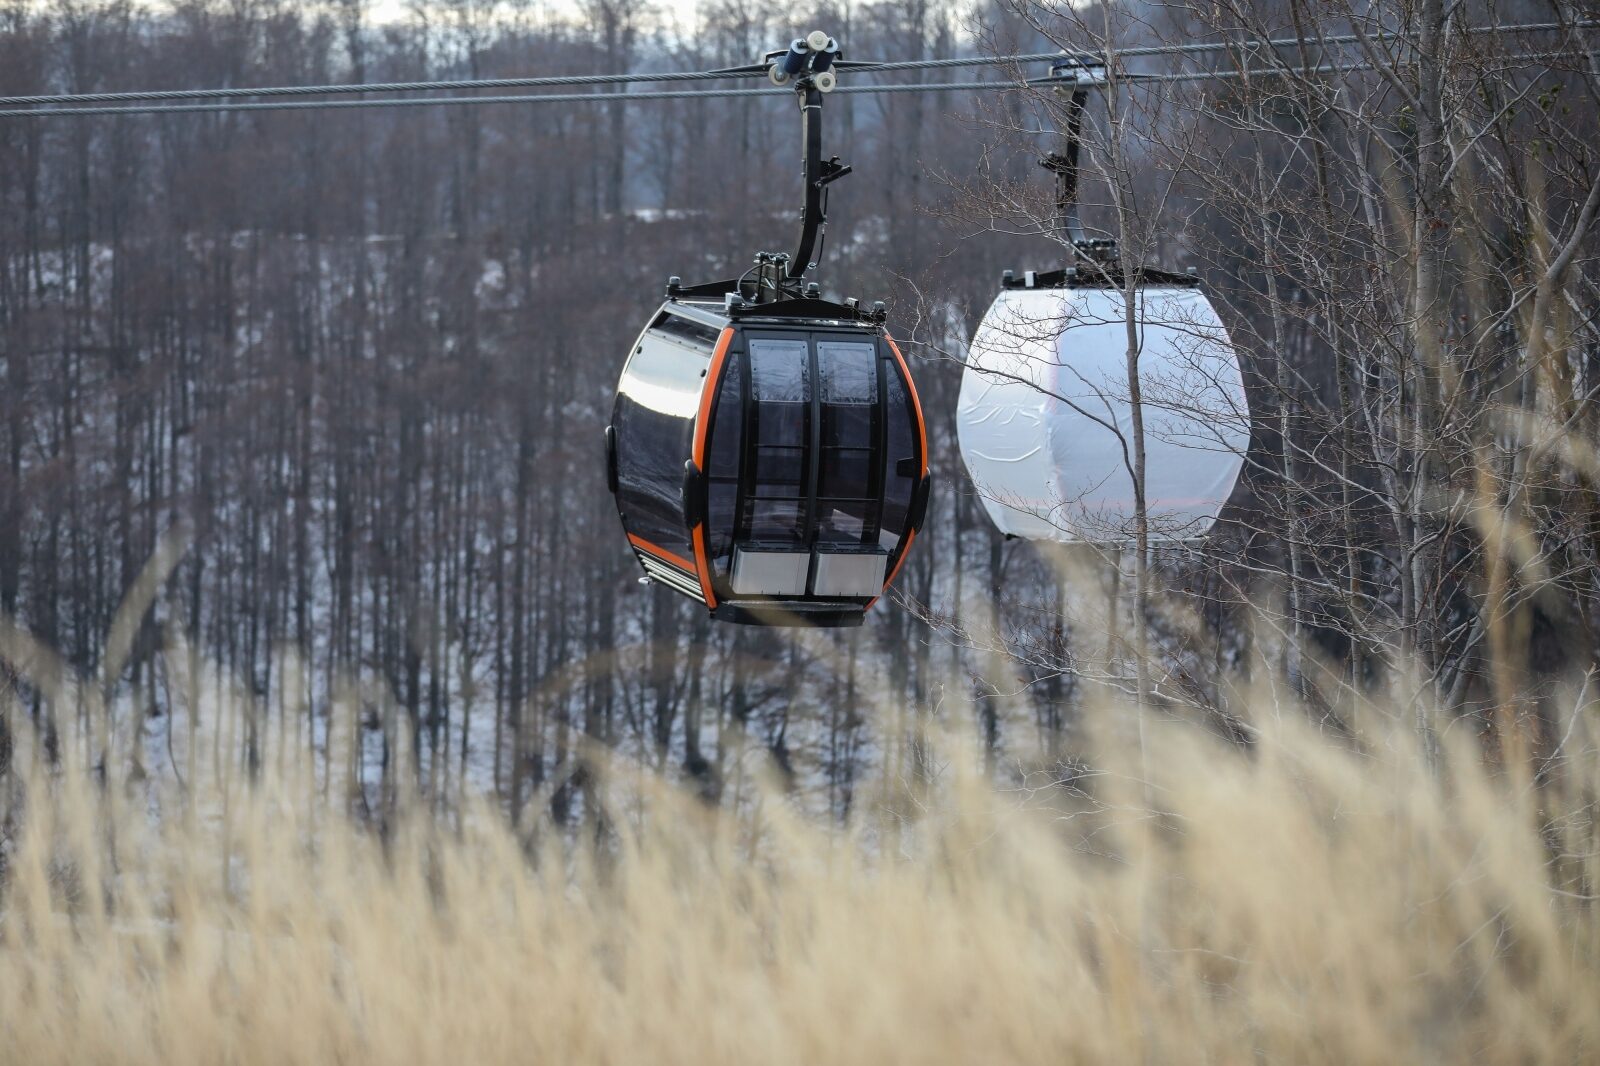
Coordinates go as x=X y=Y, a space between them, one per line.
x=773 y=552
x=811 y=509
x=851 y=424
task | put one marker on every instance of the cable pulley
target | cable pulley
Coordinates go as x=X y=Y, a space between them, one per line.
x=812 y=55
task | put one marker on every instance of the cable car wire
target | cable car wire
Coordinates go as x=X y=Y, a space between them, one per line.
x=712 y=94
x=1137 y=51
x=9 y=103
x=551 y=81
x=530 y=98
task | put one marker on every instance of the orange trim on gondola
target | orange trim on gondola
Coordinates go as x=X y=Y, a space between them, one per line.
x=703 y=565
x=708 y=393
x=898 y=563
x=916 y=405
x=660 y=552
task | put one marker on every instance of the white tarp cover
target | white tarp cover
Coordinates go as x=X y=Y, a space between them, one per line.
x=1045 y=414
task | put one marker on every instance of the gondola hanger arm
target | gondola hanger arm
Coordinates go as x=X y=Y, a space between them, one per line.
x=807 y=65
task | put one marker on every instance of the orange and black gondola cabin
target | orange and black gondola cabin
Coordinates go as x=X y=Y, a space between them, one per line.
x=769 y=460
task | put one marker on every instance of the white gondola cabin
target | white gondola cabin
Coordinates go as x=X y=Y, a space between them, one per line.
x=1045 y=416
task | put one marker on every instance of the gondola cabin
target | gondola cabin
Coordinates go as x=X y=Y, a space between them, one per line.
x=769 y=460
x=1045 y=415
x=1074 y=371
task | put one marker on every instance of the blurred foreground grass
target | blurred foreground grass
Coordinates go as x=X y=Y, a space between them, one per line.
x=1302 y=899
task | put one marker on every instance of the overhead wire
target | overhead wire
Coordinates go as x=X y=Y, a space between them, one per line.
x=1195 y=48
x=18 y=106
x=548 y=81
x=700 y=94
x=530 y=98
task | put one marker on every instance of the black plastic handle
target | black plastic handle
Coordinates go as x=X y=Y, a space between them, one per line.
x=692 y=494
x=611 y=459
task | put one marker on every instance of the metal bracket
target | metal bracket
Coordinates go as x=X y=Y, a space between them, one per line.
x=807 y=65
x=1076 y=76
x=833 y=170
x=1083 y=72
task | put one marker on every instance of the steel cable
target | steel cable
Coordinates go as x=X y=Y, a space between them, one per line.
x=696 y=94
x=382 y=87
x=11 y=103
x=1098 y=55
x=531 y=98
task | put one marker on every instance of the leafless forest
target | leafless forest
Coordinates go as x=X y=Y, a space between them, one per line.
x=347 y=371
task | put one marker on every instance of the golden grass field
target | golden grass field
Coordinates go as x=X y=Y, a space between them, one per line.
x=1310 y=900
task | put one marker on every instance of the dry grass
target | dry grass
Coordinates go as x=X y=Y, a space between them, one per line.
x=1307 y=901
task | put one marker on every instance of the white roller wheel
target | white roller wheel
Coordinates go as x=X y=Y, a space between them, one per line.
x=776 y=76
x=826 y=81
x=816 y=40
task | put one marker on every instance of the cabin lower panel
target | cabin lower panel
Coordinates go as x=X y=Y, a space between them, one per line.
x=791 y=614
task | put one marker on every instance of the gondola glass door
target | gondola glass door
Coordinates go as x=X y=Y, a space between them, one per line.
x=811 y=468
x=773 y=553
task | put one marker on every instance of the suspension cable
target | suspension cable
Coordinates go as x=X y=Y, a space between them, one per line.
x=701 y=94
x=1099 y=55
x=531 y=98
x=554 y=81
x=385 y=87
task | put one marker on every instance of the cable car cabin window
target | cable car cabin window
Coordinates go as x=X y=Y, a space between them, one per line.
x=900 y=461
x=847 y=372
x=722 y=466
x=695 y=334
x=847 y=491
x=780 y=380
x=657 y=401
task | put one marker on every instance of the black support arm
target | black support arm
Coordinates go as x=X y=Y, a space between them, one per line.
x=1064 y=165
x=819 y=172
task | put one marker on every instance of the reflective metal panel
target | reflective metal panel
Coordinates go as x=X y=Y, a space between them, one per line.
x=757 y=573
x=855 y=574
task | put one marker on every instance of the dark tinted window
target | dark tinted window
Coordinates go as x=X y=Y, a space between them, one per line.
x=657 y=401
x=847 y=372
x=724 y=452
x=779 y=369
x=779 y=431
x=847 y=474
x=901 y=465
x=695 y=334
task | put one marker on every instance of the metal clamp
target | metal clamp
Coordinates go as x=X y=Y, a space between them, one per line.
x=808 y=59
